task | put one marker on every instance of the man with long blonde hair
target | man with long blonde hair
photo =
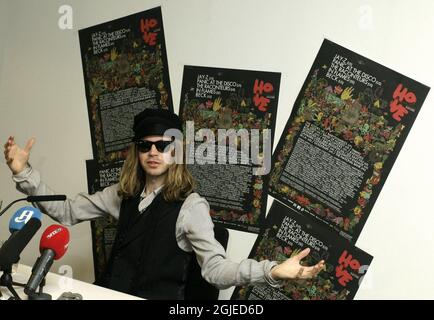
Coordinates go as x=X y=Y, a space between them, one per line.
x=162 y=223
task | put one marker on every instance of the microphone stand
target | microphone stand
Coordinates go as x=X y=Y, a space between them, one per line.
x=7 y=281
x=40 y=295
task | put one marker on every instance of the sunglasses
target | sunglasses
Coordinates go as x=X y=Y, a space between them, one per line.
x=145 y=145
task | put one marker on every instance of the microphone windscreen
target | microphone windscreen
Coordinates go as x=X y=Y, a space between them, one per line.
x=22 y=216
x=56 y=238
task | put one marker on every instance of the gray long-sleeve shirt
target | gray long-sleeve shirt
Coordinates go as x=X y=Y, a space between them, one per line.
x=194 y=228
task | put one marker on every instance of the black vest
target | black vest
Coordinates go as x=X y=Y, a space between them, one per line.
x=146 y=260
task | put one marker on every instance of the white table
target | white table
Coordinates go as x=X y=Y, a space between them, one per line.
x=57 y=284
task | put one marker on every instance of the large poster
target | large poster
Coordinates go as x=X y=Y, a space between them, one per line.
x=125 y=71
x=103 y=229
x=345 y=131
x=229 y=117
x=286 y=233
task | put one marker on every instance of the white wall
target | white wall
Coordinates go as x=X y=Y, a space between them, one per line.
x=42 y=95
x=3 y=33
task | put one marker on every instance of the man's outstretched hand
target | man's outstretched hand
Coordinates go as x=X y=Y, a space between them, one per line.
x=17 y=158
x=292 y=269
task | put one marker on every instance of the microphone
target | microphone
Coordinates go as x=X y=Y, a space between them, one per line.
x=22 y=216
x=23 y=225
x=12 y=248
x=53 y=245
x=56 y=197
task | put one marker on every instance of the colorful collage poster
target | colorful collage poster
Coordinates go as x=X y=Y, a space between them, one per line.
x=100 y=176
x=344 y=133
x=125 y=71
x=229 y=118
x=285 y=234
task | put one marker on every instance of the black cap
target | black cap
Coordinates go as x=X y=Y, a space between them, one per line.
x=155 y=122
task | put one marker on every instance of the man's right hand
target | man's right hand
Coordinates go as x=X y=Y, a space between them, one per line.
x=17 y=158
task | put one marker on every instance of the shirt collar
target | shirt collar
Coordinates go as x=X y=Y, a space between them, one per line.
x=155 y=192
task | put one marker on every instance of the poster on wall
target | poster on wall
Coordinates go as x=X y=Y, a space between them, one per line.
x=229 y=118
x=100 y=176
x=125 y=71
x=285 y=234
x=344 y=133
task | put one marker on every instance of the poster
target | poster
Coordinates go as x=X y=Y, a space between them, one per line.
x=100 y=176
x=229 y=118
x=125 y=71
x=286 y=233
x=344 y=133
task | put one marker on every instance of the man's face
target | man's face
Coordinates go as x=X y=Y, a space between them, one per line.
x=154 y=162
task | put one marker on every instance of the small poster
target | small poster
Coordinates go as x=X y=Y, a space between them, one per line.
x=344 y=133
x=125 y=71
x=229 y=118
x=285 y=234
x=100 y=176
